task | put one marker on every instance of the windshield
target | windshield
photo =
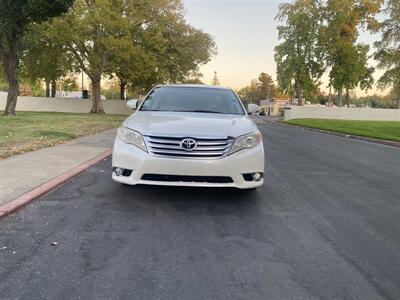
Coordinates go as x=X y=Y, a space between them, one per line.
x=192 y=99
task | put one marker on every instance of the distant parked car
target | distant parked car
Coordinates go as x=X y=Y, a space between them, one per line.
x=253 y=109
x=72 y=95
x=75 y=95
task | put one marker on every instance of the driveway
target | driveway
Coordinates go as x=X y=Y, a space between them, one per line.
x=324 y=226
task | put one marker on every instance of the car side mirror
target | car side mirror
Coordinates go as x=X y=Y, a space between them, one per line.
x=253 y=108
x=133 y=104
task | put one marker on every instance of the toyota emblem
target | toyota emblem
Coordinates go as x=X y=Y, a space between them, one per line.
x=188 y=144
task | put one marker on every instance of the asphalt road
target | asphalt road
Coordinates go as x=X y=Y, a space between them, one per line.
x=326 y=225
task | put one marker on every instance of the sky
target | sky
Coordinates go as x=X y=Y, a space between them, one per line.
x=245 y=34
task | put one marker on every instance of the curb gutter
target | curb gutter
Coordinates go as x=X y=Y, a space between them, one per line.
x=26 y=198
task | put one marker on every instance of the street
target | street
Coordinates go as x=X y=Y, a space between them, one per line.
x=326 y=225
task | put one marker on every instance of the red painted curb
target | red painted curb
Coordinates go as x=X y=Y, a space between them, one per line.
x=51 y=184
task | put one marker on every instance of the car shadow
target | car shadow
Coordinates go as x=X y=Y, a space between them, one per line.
x=213 y=201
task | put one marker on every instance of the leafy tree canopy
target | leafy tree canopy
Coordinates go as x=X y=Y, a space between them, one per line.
x=43 y=56
x=260 y=89
x=15 y=16
x=165 y=49
x=299 y=55
x=388 y=50
x=347 y=60
x=140 y=42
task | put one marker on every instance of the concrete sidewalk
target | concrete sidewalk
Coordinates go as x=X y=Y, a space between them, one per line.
x=22 y=173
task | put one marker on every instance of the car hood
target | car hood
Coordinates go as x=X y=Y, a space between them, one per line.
x=184 y=124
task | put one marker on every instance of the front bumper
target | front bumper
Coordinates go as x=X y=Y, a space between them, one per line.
x=130 y=157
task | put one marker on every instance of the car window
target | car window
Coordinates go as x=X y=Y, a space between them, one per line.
x=188 y=99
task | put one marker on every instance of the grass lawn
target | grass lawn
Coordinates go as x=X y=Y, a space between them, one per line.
x=385 y=130
x=30 y=131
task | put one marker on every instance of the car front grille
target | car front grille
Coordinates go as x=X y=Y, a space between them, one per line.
x=171 y=147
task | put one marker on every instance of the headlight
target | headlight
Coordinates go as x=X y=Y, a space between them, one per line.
x=246 y=141
x=132 y=137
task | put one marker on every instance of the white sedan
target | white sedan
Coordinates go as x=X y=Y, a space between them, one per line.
x=189 y=135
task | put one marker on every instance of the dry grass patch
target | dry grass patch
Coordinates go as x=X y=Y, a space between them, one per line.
x=29 y=131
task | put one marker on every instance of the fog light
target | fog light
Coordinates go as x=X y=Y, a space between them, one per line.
x=257 y=176
x=118 y=171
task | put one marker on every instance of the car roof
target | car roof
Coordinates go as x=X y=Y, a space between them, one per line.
x=204 y=86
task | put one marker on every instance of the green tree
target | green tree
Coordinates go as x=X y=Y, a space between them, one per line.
x=44 y=57
x=299 y=55
x=69 y=84
x=388 y=50
x=140 y=42
x=15 y=16
x=187 y=48
x=92 y=31
x=164 y=47
x=351 y=70
x=137 y=66
x=267 y=85
x=194 y=77
x=260 y=89
x=251 y=93
x=346 y=59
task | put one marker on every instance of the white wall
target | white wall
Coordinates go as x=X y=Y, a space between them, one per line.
x=65 y=105
x=343 y=113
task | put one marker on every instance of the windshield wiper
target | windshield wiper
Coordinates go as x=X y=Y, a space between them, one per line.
x=152 y=110
x=194 y=111
x=206 y=111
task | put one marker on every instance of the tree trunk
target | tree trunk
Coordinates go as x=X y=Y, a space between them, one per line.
x=122 y=86
x=47 y=88
x=11 y=61
x=299 y=93
x=330 y=96
x=398 y=97
x=340 y=97
x=97 y=106
x=53 y=88
x=347 y=97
